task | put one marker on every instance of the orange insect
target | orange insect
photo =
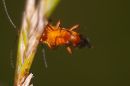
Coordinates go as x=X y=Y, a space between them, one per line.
x=55 y=36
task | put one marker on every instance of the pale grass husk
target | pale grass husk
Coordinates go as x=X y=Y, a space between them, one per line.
x=34 y=21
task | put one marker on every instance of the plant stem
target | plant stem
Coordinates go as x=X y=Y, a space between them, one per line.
x=34 y=21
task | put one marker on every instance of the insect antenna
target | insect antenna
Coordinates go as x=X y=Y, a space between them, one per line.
x=7 y=14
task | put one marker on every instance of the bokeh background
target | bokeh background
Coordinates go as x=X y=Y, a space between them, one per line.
x=105 y=22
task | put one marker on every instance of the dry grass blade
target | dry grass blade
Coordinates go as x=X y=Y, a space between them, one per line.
x=34 y=20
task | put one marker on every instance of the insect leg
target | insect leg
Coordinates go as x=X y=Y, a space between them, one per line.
x=74 y=27
x=49 y=27
x=69 y=50
x=58 y=24
x=44 y=58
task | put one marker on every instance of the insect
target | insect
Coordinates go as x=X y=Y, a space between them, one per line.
x=55 y=36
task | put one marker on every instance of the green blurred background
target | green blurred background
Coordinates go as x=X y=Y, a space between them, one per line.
x=105 y=22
